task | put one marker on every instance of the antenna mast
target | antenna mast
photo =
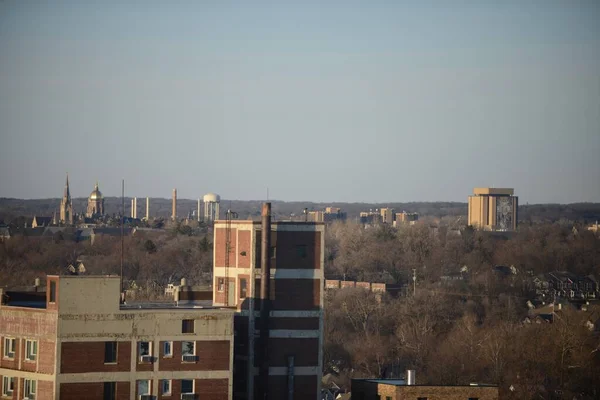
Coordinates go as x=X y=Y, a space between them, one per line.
x=122 y=222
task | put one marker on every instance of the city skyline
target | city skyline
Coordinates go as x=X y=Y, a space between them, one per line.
x=362 y=103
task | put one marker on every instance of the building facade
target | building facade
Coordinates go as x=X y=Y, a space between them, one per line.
x=295 y=319
x=406 y=218
x=393 y=389
x=66 y=206
x=387 y=215
x=76 y=341
x=329 y=215
x=95 y=205
x=493 y=209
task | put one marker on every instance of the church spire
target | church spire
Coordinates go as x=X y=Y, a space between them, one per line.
x=67 y=192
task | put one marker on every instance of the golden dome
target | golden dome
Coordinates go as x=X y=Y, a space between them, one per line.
x=96 y=194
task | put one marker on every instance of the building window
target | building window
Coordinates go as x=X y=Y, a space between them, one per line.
x=165 y=387
x=31 y=350
x=421 y=398
x=143 y=387
x=273 y=252
x=220 y=284
x=145 y=351
x=110 y=352
x=110 y=391
x=168 y=349
x=301 y=251
x=187 y=326
x=187 y=386
x=473 y=398
x=52 y=291
x=29 y=391
x=188 y=351
x=377 y=397
x=8 y=386
x=390 y=398
x=9 y=347
x=243 y=288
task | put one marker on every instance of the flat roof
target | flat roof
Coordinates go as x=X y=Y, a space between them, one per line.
x=494 y=191
x=171 y=305
x=402 y=382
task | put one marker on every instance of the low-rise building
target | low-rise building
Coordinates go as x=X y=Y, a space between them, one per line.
x=399 y=389
x=564 y=284
x=409 y=218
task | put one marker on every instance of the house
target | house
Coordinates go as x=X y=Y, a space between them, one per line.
x=400 y=389
x=564 y=284
x=4 y=232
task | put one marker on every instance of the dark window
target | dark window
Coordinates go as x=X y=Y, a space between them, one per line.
x=110 y=352
x=421 y=398
x=221 y=284
x=187 y=326
x=110 y=391
x=301 y=251
x=52 y=292
x=187 y=386
x=388 y=397
x=273 y=252
x=243 y=288
x=473 y=398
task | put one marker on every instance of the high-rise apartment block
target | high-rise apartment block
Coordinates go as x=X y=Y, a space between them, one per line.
x=292 y=327
x=329 y=215
x=387 y=215
x=493 y=209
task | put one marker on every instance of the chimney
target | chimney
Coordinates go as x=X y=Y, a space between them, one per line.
x=132 y=208
x=147 y=208
x=265 y=278
x=174 y=210
x=198 y=212
x=410 y=377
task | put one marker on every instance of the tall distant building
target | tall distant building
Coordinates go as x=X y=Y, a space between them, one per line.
x=95 y=203
x=387 y=215
x=329 y=215
x=493 y=209
x=66 y=206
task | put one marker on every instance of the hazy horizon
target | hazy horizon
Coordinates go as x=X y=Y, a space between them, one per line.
x=365 y=103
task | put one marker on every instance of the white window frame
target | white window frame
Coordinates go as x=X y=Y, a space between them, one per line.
x=193 y=386
x=194 y=347
x=139 y=348
x=29 y=389
x=164 y=392
x=149 y=382
x=170 y=353
x=31 y=344
x=7 y=345
x=8 y=386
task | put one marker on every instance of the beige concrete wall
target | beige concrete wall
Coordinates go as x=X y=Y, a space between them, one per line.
x=88 y=294
x=493 y=191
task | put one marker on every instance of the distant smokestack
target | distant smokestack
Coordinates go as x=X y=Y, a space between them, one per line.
x=265 y=279
x=135 y=207
x=198 y=212
x=132 y=208
x=147 y=208
x=174 y=211
x=410 y=377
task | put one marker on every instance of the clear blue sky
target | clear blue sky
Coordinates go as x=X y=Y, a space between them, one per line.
x=350 y=101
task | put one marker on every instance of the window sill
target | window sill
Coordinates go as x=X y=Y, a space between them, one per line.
x=29 y=361
x=110 y=363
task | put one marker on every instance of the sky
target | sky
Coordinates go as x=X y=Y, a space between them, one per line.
x=349 y=101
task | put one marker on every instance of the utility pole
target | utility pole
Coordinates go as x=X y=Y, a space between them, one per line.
x=414 y=282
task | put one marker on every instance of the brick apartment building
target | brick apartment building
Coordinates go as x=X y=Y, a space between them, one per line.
x=295 y=317
x=76 y=341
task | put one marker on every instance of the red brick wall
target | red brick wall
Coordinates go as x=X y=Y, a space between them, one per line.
x=332 y=284
x=45 y=390
x=219 y=247
x=244 y=244
x=212 y=355
x=305 y=352
x=91 y=391
x=347 y=284
x=305 y=387
x=79 y=357
x=46 y=360
x=291 y=323
x=208 y=389
x=295 y=294
x=364 y=285
x=287 y=253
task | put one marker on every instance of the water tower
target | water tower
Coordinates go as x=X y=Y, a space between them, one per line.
x=211 y=206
